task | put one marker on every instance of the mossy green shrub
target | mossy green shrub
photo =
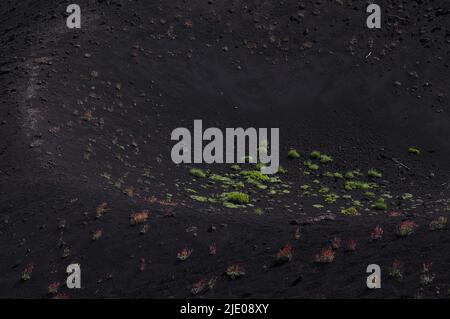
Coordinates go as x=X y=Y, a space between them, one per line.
x=198 y=198
x=282 y=170
x=352 y=184
x=374 y=173
x=293 y=154
x=325 y=159
x=311 y=166
x=237 y=198
x=350 y=211
x=220 y=178
x=380 y=204
x=349 y=175
x=338 y=175
x=315 y=155
x=256 y=175
x=197 y=172
x=414 y=150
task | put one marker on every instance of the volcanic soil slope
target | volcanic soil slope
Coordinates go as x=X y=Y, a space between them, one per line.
x=86 y=174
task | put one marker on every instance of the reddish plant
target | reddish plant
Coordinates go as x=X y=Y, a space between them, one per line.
x=336 y=243
x=395 y=214
x=199 y=287
x=53 y=287
x=139 y=217
x=101 y=209
x=407 y=228
x=142 y=264
x=27 y=272
x=203 y=285
x=184 y=254
x=396 y=270
x=377 y=233
x=235 y=271
x=212 y=249
x=426 y=277
x=285 y=254
x=325 y=256
x=352 y=244
x=97 y=234
x=439 y=224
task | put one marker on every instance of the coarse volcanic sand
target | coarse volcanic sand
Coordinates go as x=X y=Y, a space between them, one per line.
x=86 y=174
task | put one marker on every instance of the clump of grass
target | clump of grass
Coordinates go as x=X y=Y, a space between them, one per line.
x=407 y=196
x=338 y=175
x=220 y=178
x=349 y=175
x=235 y=271
x=439 y=223
x=331 y=198
x=374 y=173
x=311 y=165
x=27 y=272
x=414 y=150
x=356 y=203
x=66 y=252
x=350 y=211
x=203 y=285
x=325 y=159
x=380 y=204
x=198 y=198
x=406 y=228
x=97 y=234
x=427 y=277
x=259 y=211
x=351 y=185
x=237 y=198
x=293 y=154
x=101 y=209
x=53 y=288
x=235 y=167
x=184 y=254
x=139 y=217
x=255 y=175
x=305 y=187
x=324 y=189
x=256 y=178
x=396 y=271
x=315 y=155
x=285 y=254
x=325 y=256
x=282 y=170
x=197 y=172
